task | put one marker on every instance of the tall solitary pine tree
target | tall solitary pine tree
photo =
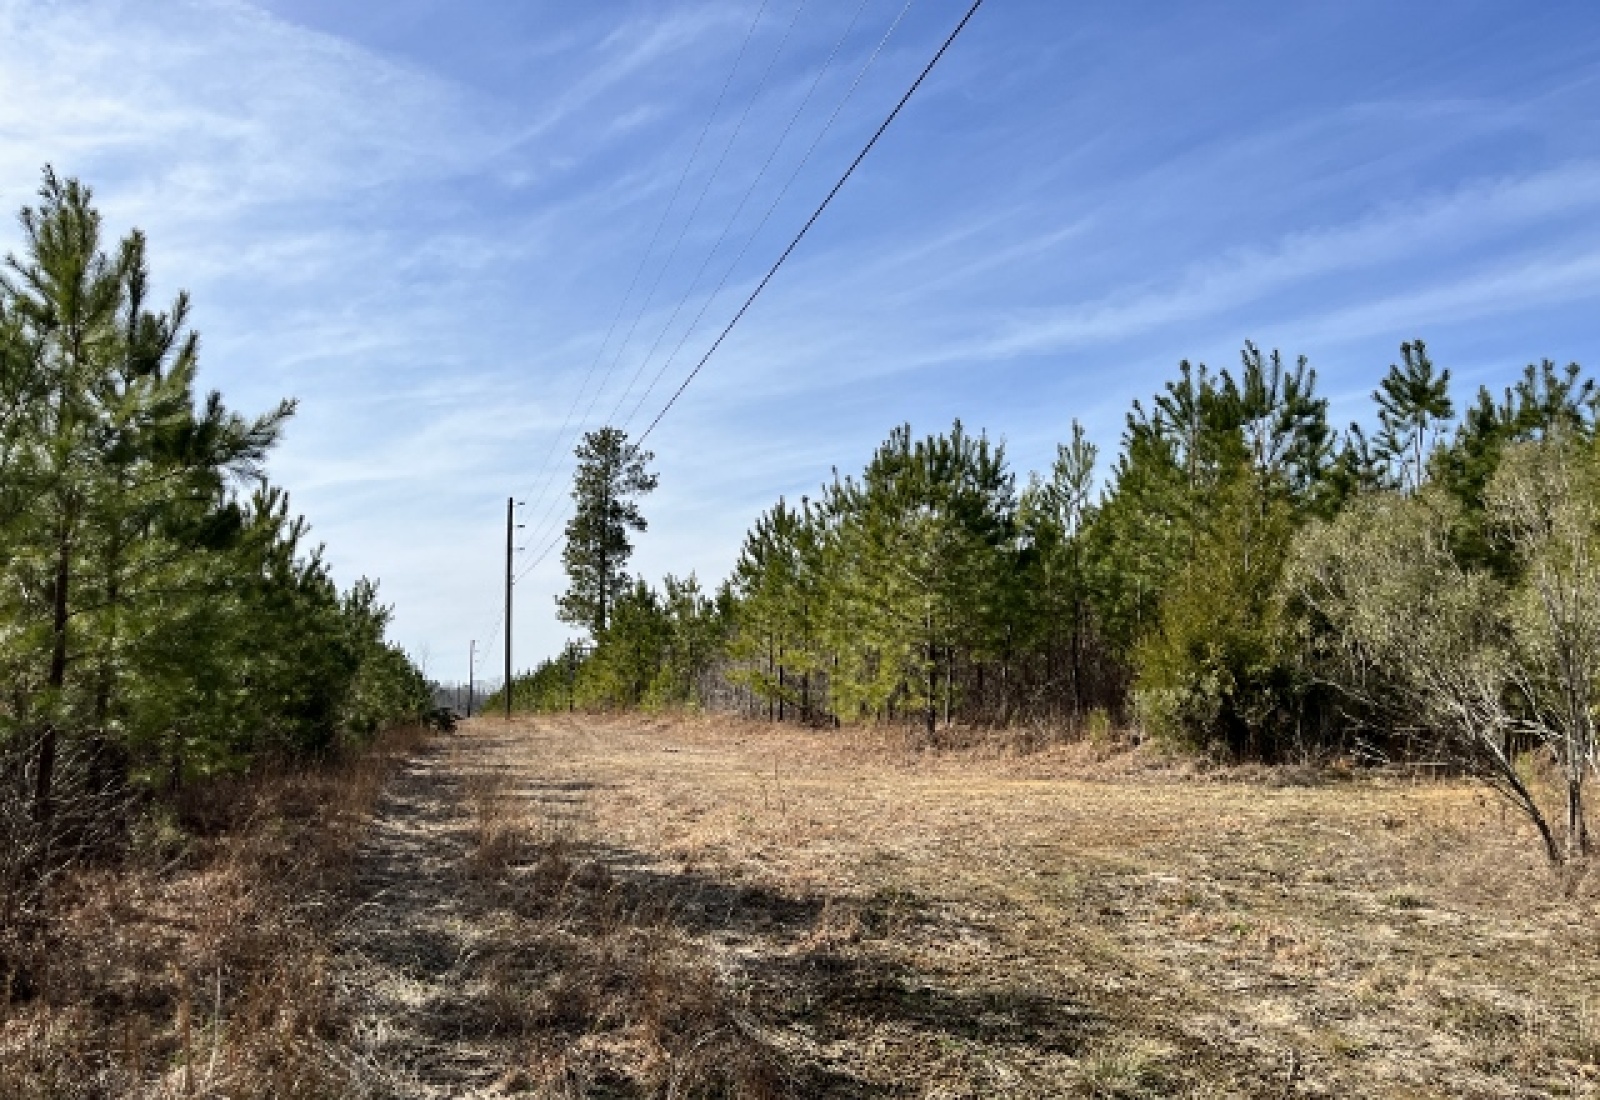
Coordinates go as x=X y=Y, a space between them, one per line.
x=611 y=475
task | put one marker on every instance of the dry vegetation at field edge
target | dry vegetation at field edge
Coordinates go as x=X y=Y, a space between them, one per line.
x=581 y=907
x=699 y=908
x=199 y=966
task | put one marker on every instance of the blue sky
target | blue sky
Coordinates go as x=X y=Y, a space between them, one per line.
x=423 y=218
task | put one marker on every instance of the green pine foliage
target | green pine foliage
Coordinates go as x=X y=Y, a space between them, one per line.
x=1214 y=670
x=656 y=650
x=1414 y=407
x=1244 y=580
x=1051 y=600
x=161 y=615
x=920 y=557
x=610 y=476
x=1252 y=452
x=777 y=588
x=929 y=590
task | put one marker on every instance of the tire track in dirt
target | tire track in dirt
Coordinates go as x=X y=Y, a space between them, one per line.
x=407 y=954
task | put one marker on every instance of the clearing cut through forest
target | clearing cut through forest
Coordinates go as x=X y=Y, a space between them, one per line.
x=627 y=906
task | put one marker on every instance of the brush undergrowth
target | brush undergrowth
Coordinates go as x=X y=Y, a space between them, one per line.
x=197 y=963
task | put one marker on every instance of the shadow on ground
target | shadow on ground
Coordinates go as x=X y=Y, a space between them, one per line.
x=550 y=964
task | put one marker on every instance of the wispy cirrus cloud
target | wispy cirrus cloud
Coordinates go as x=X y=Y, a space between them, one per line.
x=1389 y=245
x=216 y=106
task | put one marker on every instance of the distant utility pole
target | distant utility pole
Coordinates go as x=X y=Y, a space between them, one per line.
x=511 y=505
x=472 y=668
x=511 y=528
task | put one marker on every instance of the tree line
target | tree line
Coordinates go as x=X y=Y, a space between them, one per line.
x=1244 y=579
x=163 y=615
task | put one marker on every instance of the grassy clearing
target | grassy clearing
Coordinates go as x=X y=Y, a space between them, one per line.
x=828 y=915
x=200 y=965
x=642 y=908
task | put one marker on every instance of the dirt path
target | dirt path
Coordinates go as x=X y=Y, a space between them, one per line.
x=635 y=908
x=407 y=955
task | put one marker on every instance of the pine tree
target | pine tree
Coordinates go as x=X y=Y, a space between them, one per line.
x=926 y=541
x=1142 y=533
x=1052 y=516
x=1205 y=496
x=151 y=622
x=64 y=292
x=610 y=475
x=778 y=583
x=1283 y=423
x=1413 y=407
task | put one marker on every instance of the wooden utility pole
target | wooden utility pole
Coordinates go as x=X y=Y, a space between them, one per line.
x=472 y=667
x=511 y=521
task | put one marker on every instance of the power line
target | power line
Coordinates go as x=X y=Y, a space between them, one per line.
x=771 y=209
x=798 y=237
x=552 y=538
x=672 y=253
x=549 y=520
x=480 y=656
x=737 y=210
x=793 y=244
x=544 y=478
x=543 y=531
x=542 y=526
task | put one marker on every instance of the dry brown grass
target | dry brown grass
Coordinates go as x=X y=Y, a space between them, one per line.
x=870 y=919
x=199 y=966
x=690 y=908
x=511 y=956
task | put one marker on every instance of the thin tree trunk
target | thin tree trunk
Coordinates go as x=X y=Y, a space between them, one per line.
x=175 y=764
x=949 y=676
x=45 y=780
x=1577 y=828
x=1005 y=681
x=1077 y=658
x=100 y=777
x=833 y=691
x=602 y=616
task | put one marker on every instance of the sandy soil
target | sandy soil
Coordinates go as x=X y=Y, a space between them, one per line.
x=628 y=907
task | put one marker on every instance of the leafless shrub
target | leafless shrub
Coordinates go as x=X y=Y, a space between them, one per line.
x=87 y=821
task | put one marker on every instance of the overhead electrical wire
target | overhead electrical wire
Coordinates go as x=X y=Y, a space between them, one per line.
x=544 y=534
x=798 y=237
x=544 y=477
x=771 y=209
x=481 y=655
x=555 y=440
x=795 y=241
x=539 y=524
x=733 y=218
x=549 y=521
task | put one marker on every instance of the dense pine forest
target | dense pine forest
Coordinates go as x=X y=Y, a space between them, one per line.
x=163 y=617
x=1245 y=579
